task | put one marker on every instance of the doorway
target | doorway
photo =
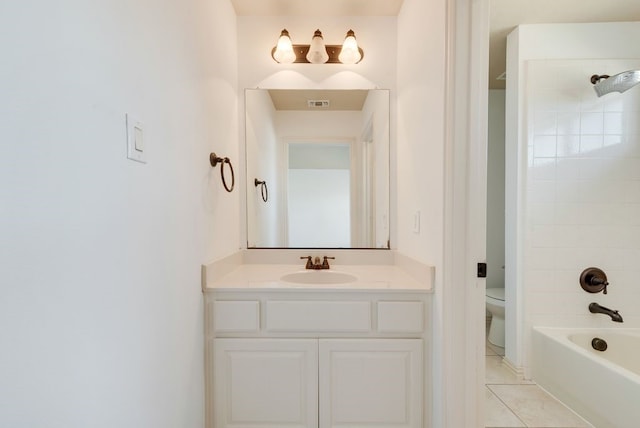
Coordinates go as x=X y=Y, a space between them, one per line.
x=319 y=189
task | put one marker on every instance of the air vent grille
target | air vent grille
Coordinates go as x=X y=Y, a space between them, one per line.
x=318 y=103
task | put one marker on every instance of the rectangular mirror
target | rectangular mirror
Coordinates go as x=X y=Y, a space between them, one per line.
x=317 y=168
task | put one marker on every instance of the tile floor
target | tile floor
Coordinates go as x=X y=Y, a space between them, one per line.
x=512 y=403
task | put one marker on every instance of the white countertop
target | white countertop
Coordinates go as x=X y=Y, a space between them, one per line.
x=263 y=270
x=267 y=276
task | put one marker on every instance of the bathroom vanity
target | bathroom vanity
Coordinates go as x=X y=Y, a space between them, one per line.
x=348 y=346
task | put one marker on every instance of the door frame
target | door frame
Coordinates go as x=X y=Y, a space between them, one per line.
x=462 y=293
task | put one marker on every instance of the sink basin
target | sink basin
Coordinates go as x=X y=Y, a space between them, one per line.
x=319 y=277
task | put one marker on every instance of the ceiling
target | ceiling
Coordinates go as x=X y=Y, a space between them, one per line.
x=318 y=7
x=505 y=15
x=286 y=99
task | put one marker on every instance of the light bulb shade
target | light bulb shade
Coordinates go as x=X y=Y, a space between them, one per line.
x=317 y=51
x=283 y=52
x=350 y=54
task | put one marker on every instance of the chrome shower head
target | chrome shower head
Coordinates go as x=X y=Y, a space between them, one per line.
x=618 y=83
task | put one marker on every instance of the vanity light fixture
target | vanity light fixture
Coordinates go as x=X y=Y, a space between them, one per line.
x=350 y=53
x=285 y=52
x=317 y=50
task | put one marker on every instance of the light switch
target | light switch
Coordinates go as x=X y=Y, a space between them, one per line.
x=137 y=137
x=135 y=140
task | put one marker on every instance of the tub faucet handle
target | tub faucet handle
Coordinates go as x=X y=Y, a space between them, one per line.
x=594 y=280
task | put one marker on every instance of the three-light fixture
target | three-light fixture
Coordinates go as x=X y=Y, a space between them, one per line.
x=285 y=52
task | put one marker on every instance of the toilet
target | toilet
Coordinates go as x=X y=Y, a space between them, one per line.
x=495 y=305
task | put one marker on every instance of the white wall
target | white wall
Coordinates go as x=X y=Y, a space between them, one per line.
x=100 y=301
x=495 y=190
x=574 y=164
x=420 y=138
x=420 y=157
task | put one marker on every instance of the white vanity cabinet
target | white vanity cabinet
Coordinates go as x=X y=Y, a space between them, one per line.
x=268 y=383
x=370 y=383
x=316 y=359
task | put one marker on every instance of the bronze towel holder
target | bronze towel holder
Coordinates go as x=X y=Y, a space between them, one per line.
x=264 y=191
x=215 y=160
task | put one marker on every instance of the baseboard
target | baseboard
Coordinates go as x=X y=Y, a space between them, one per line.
x=518 y=372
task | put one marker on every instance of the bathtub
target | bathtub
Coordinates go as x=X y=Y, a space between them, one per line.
x=601 y=386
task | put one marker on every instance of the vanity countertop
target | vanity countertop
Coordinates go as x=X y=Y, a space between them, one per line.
x=267 y=276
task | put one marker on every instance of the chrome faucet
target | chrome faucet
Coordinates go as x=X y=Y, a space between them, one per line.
x=315 y=264
x=595 y=308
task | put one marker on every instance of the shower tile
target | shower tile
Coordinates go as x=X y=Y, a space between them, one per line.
x=568 y=123
x=572 y=192
x=542 y=214
x=544 y=168
x=568 y=169
x=613 y=123
x=544 y=146
x=536 y=408
x=614 y=104
x=541 y=280
x=544 y=123
x=633 y=172
x=590 y=144
x=543 y=236
x=570 y=214
x=568 y=145
x=497 y=414
x=631 y=192
x=571 y=235
x=542 y=191
x=591 y=123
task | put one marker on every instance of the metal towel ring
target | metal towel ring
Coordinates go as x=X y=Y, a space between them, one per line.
x=214 y=159
x=264 y=191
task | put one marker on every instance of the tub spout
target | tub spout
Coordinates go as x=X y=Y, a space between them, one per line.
x=595 y=308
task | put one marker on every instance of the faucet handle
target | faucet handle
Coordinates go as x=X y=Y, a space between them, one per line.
x=325 y=262
x=309 y=264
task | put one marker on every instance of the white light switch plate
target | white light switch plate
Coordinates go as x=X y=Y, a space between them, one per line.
x=136 y=147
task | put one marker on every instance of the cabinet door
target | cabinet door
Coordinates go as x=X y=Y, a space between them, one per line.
x=371 y=383
x=265 y=383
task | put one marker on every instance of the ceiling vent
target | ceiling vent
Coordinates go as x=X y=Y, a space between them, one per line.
x=318 y=103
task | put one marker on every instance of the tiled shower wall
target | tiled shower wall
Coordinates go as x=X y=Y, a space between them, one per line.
x=582 y=198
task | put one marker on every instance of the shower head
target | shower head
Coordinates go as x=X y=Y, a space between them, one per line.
x=618 y=83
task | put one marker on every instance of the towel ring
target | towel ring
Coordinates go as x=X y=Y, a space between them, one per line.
x=215 y=160
x=264 y=191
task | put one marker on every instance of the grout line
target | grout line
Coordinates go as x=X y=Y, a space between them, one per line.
x=507 y=406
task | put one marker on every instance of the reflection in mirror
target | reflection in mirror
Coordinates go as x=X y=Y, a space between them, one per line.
x=324 y=155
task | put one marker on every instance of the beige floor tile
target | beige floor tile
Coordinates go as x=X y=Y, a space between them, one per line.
x=498 y=350
x=497 y=373
x=536 y=408
x=490 y=350
x=497 y=414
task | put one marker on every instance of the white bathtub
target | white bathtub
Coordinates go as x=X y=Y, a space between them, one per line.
x=602 y=387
